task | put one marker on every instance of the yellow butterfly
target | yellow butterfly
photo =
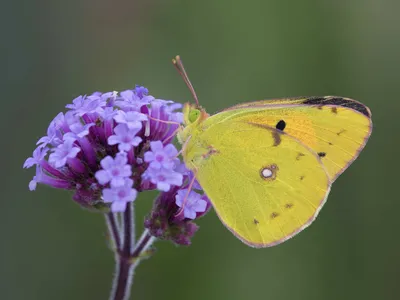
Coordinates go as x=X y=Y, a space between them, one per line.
x=268 y=166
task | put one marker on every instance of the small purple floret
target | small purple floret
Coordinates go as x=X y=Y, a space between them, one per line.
x=141 y=91
x=108 y=113
x=120 y=196
x=132 y=119
x=130 y=101
x=38 y=155
x=64 y=151
x=78 y=131
x=163 y=178
x=82 y=105
x=194 y=203
x=160 y=156
x=114 y=170
x=54 y=132
x=125 y=138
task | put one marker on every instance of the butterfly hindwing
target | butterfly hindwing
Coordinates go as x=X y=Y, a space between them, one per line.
x=265 y=185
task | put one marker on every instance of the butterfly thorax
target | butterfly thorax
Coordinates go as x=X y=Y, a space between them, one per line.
x=193 y=118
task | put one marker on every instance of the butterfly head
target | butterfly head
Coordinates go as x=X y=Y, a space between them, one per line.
x=193 y=116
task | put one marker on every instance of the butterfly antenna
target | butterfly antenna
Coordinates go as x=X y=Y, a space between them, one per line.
x=181 y=70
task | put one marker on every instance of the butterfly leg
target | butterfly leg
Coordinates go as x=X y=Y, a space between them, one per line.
x=173 y=134
x=183 y=149
x=168 y=138
x=163 y=121
x=189 y=189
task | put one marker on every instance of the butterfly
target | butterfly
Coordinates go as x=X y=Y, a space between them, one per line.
x=268 y=166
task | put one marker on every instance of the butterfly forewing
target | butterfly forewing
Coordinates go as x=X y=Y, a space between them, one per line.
x=335 y=128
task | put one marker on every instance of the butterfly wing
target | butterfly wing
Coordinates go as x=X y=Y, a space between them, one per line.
x=336 y=128
x=265 y=185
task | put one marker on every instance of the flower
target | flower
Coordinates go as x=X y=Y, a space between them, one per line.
x=78 y=130
x=114 y=171
x=119 y=196
x=163 y=178
x=160 y=156
x=38 y=155
x=141 y=91
x=83 y=105
x=132 y=119
x=63 y=152
x=108 y=113
x=109 y=147
x=125 y=138
x=191 y=203
x=131 y=101
x=54 y=132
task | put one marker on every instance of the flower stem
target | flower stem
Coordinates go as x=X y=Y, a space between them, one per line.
x=123 y=279
x=113 y=229
x=128 y=230
x=124 y=270
x=145 y=241
x=127 y=255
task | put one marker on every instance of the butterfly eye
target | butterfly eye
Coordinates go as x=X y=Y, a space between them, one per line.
x=194 y=115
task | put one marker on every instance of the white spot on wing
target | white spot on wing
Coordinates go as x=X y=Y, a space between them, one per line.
x=266 y=173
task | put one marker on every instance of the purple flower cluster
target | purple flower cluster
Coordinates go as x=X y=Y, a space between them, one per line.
x=109 y=147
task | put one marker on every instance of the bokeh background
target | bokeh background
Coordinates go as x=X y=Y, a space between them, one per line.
x=235 y=51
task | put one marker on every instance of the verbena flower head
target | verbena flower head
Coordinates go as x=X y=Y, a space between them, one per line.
x=108 y=147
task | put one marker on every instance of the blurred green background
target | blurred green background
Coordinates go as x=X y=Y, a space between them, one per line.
x=235 y=51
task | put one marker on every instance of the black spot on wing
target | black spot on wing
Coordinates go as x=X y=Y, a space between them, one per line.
x=339 y=102
x=321 y=154
x=281 y=125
